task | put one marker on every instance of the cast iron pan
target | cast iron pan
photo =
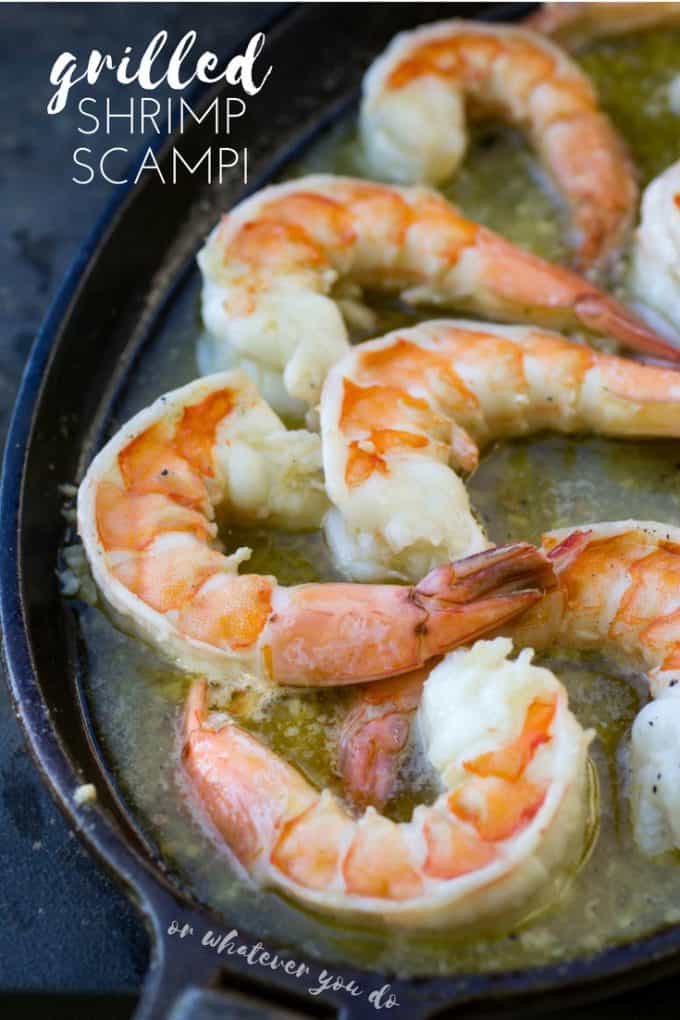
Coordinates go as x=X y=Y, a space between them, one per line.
x=111 y=302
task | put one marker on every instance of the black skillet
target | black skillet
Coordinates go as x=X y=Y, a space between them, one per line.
x=107 y=310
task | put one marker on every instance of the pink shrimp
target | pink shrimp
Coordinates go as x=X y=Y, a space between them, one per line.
x=414 y=107
x=146 y=512
x=510 y=814
x=618 y=591
x=280 y=262
x=402 y=414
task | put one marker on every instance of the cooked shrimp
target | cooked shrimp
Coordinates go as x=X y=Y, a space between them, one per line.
x=574 y=24
x=400 y=413
x=619 y=590
x=510 y=817
x=414 y=108
x=146 y=515
x=656 y=258
x=275 y=269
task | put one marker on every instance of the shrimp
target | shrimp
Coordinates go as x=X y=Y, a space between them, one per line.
x=574 y=24
x=278 y=268
x=618 y=591
x=146 y=515
x=399 y=416
x=509 y=818
x=374 y=736
x=413 y=119
x=655 y=278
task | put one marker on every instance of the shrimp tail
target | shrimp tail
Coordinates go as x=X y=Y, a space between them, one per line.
x=487 y=589
x=370 y=752
x=374 y=736
x=601 y=315
x=502 y=569
x=569 y=549
x=333 y=634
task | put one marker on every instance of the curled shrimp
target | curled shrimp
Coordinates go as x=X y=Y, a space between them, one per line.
x=510 y=815
x=275 y=269
x=417 y=94
x=573 y=24
x=146 y=515
x=401 y=414
x=655 y=278
x=618 y=591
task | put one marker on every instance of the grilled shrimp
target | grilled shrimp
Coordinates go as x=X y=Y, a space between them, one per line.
x=656 y=254
x=417 y=95
x=275 y=269
x=618 y=591
x=509 y=819
x=146 y=515
x=401 y=414
x=573 y=24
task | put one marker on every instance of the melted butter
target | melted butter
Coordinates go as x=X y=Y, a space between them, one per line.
x=520 y=490
x=633 y=76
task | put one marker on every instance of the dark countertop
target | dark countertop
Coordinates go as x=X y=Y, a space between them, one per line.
x=65 y=927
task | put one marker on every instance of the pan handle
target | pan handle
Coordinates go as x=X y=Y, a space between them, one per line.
x=177 y=974
x=182 y=985
x=175 y=990
x=193 y=1003
x=187 y=981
